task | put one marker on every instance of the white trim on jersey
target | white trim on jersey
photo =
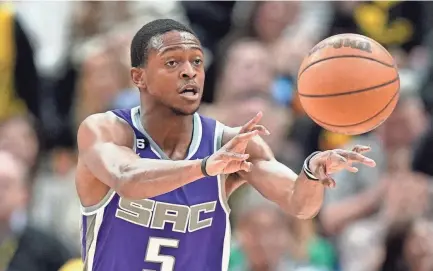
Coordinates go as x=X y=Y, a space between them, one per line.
x=92 y=249
x=199 y=128
x=196 y=138
x=91 y=210
x=223 y=201
x=227 y=234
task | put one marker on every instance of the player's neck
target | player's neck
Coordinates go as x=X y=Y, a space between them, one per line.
x=168 y=130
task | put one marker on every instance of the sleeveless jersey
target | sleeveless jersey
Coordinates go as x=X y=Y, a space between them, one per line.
x=186 y=229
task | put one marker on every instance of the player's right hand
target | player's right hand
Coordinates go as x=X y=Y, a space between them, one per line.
x=232 y=157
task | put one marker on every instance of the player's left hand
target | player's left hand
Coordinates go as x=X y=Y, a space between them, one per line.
x=325 y=163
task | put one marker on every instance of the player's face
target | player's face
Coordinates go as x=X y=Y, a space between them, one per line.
x=175 y=72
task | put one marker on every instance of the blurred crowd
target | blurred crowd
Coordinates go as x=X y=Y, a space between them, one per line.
x=62 y=61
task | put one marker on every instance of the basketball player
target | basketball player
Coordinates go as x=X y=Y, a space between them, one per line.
x=154 y=180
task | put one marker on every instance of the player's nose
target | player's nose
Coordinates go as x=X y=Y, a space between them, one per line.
x=188 y=71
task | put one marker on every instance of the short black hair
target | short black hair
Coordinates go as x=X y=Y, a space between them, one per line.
x=140 y=42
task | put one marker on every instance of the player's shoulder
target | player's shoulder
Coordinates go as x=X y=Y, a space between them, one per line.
x=106 y=120
x=105 y=126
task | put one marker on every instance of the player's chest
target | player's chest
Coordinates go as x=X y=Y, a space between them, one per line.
x=188 y=208
x=145 y=147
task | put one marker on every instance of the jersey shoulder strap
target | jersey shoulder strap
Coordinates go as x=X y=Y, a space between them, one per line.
x=128 y=115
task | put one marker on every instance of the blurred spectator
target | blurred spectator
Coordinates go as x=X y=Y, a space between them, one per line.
x=21 y=247
x=20 y=136
x=351 y=211
x=423 y=152
x=51 y=206
x=101 y=78
x=244 y=68
x=263 y=237
x=393 y=24
x=56 y=207
x=19 y=84
x=410 y=248
x=222 y=45
x=417 y=249
x=266 y=26
x=93 y=19
x=288 y=29
x=51 y=39
x=245 y=87
x=391 y=149
x=267 y=239
x=427 y=72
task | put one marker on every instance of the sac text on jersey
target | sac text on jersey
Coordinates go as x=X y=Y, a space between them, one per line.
x=154 y=214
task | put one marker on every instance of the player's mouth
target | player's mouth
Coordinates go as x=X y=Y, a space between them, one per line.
x=190 y=92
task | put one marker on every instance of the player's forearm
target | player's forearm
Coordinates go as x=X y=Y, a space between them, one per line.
x=295 y=194
x=146 y=178
x=307 y=197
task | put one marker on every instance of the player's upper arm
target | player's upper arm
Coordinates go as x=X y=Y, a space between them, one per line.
x=104 y=145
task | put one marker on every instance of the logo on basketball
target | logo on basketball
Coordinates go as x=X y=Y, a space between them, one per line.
x=347 y=43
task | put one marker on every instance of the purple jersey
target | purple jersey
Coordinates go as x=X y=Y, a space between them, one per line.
x=184 y=230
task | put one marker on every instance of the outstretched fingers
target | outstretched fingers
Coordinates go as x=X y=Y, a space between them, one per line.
x=355 y=157
x=340 y=160
x=250 y=124
x=361 y=149
x=241 y=138
x=239 y=159
x=262 y=130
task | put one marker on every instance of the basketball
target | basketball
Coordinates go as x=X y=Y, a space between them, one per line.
x=348 y=84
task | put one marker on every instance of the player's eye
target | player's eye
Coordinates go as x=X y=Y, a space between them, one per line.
x=171 y=63
x=198 y=62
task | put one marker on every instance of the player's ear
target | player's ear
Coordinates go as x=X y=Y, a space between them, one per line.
x=138 y=76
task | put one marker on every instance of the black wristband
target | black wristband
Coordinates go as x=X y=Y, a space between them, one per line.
x=203 y=166
x=306 y=167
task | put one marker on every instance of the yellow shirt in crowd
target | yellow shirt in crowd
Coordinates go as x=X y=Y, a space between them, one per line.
x=72 y=265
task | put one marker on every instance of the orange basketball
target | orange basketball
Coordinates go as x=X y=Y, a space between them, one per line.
x=348 y=84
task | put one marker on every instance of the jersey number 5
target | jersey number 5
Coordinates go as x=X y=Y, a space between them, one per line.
x=152 y=253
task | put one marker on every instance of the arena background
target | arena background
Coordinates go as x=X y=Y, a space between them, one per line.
x=62 y=61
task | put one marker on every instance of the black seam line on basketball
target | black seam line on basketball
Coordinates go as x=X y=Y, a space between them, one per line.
x=362 y=122
x=343 y=56
x=349 y=92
